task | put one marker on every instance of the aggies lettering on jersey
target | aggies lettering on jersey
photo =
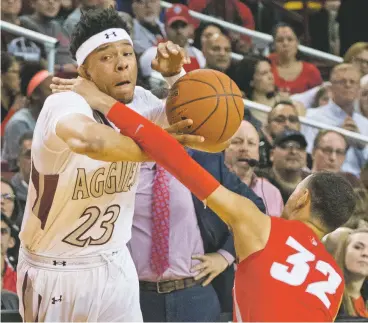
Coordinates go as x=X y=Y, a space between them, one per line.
x=77 y=205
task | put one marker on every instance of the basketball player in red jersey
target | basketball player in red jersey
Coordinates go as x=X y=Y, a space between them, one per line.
x=284 y=273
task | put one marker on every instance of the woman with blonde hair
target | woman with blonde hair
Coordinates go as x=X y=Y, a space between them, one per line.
x=357 y=54
x=350 y=251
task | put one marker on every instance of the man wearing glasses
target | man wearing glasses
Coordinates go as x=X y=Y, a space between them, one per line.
x=329 y=151
x=283 y=116
x=339 y=112
x=288 y=158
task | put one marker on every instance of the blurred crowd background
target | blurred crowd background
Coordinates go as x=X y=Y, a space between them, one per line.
x=278 y=76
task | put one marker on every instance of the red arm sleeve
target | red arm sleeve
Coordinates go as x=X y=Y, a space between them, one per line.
x=164 y=148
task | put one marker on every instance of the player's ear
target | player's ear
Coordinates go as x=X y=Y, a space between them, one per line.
x=82 y=71
x=271 y=155
x=304 y=199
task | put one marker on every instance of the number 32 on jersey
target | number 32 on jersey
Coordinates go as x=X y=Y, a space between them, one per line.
x=300 y=270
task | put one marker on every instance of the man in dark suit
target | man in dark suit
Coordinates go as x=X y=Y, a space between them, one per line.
x=215 y=233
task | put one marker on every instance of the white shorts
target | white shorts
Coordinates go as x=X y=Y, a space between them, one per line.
x=101 y=288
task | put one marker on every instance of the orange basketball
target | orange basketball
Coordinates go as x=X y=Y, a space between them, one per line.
x=211 y=99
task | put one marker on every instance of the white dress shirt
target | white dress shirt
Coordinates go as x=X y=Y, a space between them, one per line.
x=333 y=115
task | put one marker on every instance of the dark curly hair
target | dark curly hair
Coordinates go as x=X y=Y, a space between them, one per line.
x=243 y=72
x=333 y=200
x=92 y=22
x=199 y=31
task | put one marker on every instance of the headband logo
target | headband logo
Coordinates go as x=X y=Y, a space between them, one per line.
x=108 y=35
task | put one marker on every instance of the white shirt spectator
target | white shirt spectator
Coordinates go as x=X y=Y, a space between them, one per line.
x=333 y=115
x=143 y=38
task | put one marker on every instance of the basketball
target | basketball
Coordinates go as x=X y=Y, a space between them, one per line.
x=211 y=99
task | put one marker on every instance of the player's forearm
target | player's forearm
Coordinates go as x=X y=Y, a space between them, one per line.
x=163 y=148
x=102 y=143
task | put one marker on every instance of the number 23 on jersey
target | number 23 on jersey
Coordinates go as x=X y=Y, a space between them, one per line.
x=298 y=273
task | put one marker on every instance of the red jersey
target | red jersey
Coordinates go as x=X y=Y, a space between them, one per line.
x=293 y=278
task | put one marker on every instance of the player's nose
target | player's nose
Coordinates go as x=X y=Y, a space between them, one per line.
x=122 y=64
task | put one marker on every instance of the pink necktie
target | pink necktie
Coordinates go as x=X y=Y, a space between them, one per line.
x=160 y=222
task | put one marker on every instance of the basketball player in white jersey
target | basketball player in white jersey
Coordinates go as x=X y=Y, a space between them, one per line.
x=74 y=264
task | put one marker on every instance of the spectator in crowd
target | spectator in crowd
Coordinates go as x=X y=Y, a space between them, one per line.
x=339 y=112
x=217 y=52
x=200 y=247
x=148 y=30
x=357 y=55
x=10 y=88
x=21 y=179
x=283 y=116
x=288 y=159
x=205 y=31
x=241 y=157
x=291 y=74
x=179 y=28
x=43 y=20
x=254 y=77
x=9 y=204
x=129 y=21
x=8 y=273
x=232 y=11
x=10 y=10
x=35 y=84
x=329 y=151
x=20 y=47
x=75 y=16
x=66 y=8
x=350 y=251
x=322 y=97
x=363 y=103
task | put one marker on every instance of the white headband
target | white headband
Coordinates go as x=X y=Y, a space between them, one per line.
x=104 y=37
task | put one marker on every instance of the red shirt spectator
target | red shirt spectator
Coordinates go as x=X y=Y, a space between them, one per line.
x=307 y=79
x=291 y=74
x=211 y=6
x=232 y=11
x=9 y=277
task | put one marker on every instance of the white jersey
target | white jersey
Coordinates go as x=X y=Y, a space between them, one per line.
x=77 y=205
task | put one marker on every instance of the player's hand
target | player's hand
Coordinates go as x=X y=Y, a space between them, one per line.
x=350 y=125
x=177 y=131
x=87 y=89
x=169 y=59
x=212 y=264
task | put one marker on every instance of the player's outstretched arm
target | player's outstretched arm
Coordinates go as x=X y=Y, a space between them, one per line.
x=250 y=227
x=97 y=141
